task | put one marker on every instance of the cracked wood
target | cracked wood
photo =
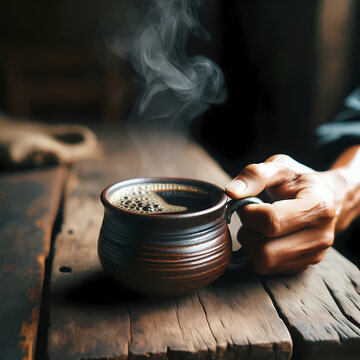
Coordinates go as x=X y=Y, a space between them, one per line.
x=321 y=307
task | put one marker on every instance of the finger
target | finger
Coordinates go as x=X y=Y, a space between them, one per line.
x=256 y=177
x=313 y=205
x=298 y=264
x=270 y=255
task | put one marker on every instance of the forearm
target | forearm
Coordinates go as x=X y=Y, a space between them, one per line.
x=343 y=179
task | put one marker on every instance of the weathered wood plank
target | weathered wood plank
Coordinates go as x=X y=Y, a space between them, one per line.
x=93 y=318
x=156 y=332
x=28 y=208
x=242 y=318
x=86 y=320
x=308 y=303
x=195 y=328
x=342 y=278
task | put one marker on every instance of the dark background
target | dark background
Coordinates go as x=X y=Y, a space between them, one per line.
x=288 y=67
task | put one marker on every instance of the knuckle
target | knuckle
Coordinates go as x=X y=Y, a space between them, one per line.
x=309 y=178
x=283 y=161
x=254 y=170
x=327 y=210
x=273 y=224
x=327 y=239
x=265 y=260
x=281 y=158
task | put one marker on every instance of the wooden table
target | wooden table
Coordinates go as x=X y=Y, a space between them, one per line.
x=70 y=309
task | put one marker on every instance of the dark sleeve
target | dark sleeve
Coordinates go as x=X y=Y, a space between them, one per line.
x=332 y=138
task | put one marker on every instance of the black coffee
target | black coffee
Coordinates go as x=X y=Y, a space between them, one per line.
x=160 y=198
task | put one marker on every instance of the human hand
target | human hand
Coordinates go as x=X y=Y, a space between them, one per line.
x=294 y=231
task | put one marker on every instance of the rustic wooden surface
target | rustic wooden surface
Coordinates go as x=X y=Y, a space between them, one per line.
x=321 y=308
x=315 y=314
x=29 y=202
x=93 y=318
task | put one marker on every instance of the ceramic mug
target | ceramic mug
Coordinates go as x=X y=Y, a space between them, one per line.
x=172 y=253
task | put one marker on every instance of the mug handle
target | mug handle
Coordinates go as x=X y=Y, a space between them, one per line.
x=237 y=204
x=240 y=256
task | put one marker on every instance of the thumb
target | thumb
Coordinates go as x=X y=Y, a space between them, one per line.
x=256 y=177
x=250 y=182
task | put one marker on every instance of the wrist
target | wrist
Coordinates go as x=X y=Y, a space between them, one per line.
x=345 y=188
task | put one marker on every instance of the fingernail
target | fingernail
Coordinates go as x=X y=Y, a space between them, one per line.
x=236 y=187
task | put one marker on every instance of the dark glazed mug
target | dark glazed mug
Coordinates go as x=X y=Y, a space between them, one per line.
x=167 y=254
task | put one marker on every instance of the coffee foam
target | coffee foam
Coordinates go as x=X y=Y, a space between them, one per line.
x=143 y=198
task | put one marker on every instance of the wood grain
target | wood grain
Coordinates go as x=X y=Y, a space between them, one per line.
x=342 y=279
x=309 y=304
x=91 y=317
x=242 y=318
x=29 y=205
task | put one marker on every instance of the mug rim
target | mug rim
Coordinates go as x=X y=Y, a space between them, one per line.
x=217 y=206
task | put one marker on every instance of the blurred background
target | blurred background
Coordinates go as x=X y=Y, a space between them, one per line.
x=288 y=67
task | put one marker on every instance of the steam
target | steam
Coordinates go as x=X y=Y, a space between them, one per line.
x=177 y=87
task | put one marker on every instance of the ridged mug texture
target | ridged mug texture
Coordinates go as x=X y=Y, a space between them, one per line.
x=165 y=255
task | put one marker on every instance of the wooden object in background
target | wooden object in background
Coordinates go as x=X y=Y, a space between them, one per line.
x=32 y=145
x=28 y=208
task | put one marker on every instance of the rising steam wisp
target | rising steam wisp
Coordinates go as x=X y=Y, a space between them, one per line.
x=177 y=87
